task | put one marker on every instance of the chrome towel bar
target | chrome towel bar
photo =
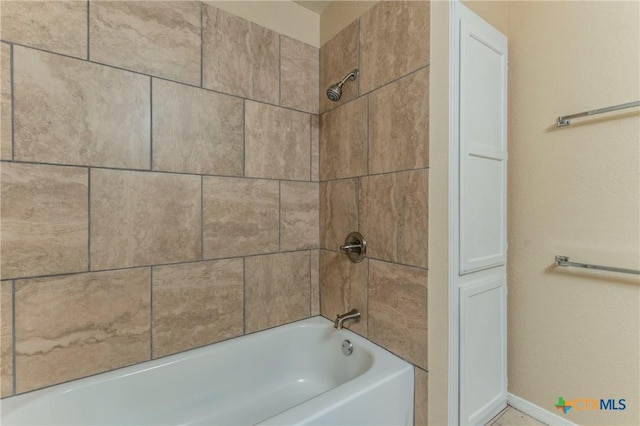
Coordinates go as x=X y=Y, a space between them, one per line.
x=565 y=120
x=564 y=261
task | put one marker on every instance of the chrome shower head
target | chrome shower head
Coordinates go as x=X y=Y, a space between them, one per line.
x=335 y=92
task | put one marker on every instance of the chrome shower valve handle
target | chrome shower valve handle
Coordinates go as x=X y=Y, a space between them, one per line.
x=349 y=248
x=355 y=247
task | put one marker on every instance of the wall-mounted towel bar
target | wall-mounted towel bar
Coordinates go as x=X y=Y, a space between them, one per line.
x=564 y=261
x=566 y=119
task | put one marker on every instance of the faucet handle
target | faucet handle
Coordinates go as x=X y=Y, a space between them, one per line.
x=355 y=247
x=351 y=248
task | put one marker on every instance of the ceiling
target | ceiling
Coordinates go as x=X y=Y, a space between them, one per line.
x=316 y=6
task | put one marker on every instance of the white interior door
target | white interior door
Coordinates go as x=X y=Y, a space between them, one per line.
x=479 y=159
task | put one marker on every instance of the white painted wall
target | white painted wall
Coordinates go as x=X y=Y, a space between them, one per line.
x=574 y=191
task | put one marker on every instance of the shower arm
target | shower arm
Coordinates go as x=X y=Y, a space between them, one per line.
x=351 y=76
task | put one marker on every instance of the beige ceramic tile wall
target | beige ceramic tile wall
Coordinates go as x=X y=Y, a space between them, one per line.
x=420 y=396
x=277 y=289
x=72 y=326
x=163 y=148
x=196 y=131
x=157 y=38
x=44 y=220
x=187 y=296
x=240 y=57
x=55 y=26
x=374 y=179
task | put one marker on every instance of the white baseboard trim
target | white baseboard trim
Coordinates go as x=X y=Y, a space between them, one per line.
x=536 y=412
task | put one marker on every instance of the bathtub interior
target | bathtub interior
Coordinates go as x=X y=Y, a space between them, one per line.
x=242 y=381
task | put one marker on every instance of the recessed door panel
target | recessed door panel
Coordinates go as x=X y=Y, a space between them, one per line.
x=483 y=334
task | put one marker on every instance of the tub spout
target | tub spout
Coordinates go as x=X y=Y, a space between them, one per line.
x=353 y=314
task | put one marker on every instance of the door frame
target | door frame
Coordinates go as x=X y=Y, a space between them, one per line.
x=454 y=215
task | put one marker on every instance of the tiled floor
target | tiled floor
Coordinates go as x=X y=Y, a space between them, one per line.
x=512 y=417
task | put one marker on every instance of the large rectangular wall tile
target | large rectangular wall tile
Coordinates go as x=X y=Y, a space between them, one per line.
x=338 y=211
x=57 y=26
x=239 y=57
x=300 y=75
x=69 y=111
x=277 y=142
x=6 y=338
x=196 y=304
x=399 y=124
x=315 y=148
x=338 y=57
x=343 y=141
x=420 y=397
x=240 y=217
x=153 y=37
x=277 y=289
x=394 y=40
x=6 y=143
x=398 y=310
x=73 y=326
x=299 y=215
x=45 y=220
x=142 y=218
x=196 y=131
x=343 y=286
x=394 y=216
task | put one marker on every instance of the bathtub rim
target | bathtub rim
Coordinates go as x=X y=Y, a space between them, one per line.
x=382 y=360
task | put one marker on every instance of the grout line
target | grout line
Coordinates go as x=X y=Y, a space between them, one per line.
x=201 y=44
x=310 y=148
x=26 y=46
x=151 y=313
x=244 y=296
x=367 y=295
x=417 y=169
x=152 y=171
x=319 y=282
x=318 y=233
x=13 y=335
x=420 y=368
x=201 y=217
x=158 y=77
x=410 y=73
x=279 y=69
x=244 y=137
x=320 y=148
x=358 y=31
x=13 y=102
x=310 y=287
x=89 y=219
x=279 y=216
x=88 y=30
x=422 y=268
x=126 y=268
x=151 y=124
x=357 y=195
x=368 y=135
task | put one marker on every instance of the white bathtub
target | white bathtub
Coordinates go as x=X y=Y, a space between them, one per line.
x=293 y=374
